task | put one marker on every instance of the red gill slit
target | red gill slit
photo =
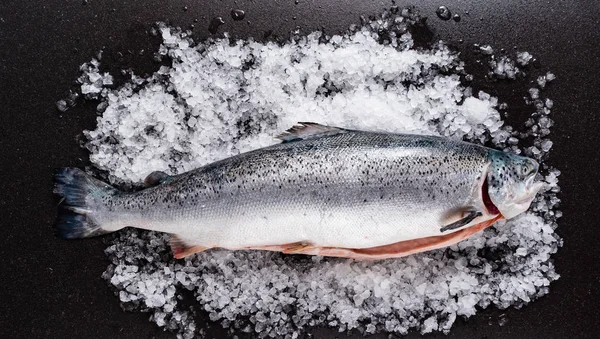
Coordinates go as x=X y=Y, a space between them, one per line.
x=487 y=201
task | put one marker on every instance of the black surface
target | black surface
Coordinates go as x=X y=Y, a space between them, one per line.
x=50 y=288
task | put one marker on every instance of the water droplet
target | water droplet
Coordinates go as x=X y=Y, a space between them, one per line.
x=185 y=8
x=456 y=17
x=443 y=13
x=237 y=14
x=502 y=320
x=296 y=2
x=294 y=18
x=72 y=98
x=61 y=105
x=215 y=23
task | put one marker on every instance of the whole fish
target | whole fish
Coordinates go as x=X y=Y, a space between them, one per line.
x=323 y=191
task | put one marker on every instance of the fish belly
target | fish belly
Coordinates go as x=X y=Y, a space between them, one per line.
x=350 y=227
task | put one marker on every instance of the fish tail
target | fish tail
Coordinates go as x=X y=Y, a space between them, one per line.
x=82 y=203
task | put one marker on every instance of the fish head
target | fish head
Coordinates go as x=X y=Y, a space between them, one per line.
x=511 y=184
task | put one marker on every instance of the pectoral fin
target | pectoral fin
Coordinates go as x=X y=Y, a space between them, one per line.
x=462 y=222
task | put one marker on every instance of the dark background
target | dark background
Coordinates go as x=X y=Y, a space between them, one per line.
x=51 y=288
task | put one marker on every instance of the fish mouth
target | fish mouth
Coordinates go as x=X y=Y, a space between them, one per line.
x=487 y=200
x=534 y=188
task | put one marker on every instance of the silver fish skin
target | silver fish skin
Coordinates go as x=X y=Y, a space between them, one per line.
x=323 y=186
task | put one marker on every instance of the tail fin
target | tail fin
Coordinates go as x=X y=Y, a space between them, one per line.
x=82 y=199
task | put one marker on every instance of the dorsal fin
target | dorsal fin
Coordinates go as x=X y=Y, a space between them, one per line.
x=308 y=130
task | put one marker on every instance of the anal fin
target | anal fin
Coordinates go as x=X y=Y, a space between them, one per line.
x=181 y=249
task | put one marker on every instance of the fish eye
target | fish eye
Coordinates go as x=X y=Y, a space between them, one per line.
x=528 y=168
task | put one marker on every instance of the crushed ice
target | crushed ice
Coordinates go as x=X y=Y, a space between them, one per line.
x=223 y=97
